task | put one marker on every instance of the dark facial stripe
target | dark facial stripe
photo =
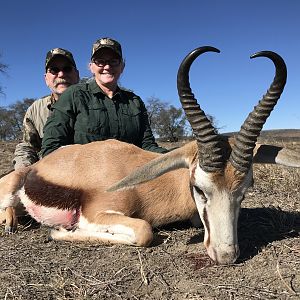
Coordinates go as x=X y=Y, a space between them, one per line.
x=205 y=219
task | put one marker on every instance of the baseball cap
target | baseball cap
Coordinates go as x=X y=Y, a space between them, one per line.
x=59 y=51
x=107 y=43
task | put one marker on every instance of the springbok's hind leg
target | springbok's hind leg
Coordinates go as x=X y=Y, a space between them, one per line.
x=111 y=228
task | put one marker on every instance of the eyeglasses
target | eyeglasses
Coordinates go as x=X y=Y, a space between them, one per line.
x=99 y=62
x=56 y=70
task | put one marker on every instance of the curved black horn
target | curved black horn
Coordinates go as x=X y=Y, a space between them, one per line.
x=242 y=152
x=210 y=151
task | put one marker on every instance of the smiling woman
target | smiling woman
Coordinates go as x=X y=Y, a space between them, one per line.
x=99 y=109
x=107 y=67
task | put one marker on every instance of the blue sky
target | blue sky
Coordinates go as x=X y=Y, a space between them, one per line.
x=155 y=36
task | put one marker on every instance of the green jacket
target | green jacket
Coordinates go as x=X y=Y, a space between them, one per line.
x=85 y=114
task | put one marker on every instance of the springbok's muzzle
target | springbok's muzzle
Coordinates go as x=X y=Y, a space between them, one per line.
x=224 y=254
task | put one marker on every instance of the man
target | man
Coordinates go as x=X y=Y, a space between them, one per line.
x=60 y=73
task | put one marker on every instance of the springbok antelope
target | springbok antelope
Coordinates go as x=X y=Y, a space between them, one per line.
x=115 y=192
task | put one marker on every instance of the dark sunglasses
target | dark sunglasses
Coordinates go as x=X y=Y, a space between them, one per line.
x=56 y=70
x=99 y=62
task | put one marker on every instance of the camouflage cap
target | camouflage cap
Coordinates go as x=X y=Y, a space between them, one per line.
x=59 y=51
x=107 y=43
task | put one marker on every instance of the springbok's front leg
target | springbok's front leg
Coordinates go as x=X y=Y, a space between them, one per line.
x=2 y=216
x=11 y=220
x=114 y=228
x=8 y=216
x=10 y=184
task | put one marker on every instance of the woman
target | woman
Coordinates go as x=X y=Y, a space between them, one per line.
x=100 y=109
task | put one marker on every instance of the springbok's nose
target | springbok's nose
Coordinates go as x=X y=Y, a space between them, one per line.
x=224 y=254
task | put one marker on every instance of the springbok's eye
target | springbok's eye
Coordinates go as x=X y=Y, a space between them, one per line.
x=199 y=191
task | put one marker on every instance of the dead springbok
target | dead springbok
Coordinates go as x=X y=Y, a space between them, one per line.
x=76 y=189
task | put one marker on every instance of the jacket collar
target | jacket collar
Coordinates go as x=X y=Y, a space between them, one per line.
x=95 y=89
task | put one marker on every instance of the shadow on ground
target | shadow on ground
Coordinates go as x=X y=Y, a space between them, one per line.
x=259 y=227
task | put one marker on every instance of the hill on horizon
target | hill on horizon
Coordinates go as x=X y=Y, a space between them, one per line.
x=280 y=135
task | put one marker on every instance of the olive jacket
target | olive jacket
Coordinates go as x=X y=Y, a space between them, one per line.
x=85 y=114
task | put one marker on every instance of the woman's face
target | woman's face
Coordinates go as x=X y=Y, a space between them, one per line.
x=107 y=68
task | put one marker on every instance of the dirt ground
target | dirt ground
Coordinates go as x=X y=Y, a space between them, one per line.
x=176 y=266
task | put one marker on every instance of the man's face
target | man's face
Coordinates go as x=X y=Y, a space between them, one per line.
x=60 y=74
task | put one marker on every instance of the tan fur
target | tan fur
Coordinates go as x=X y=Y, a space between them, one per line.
x=229 y=178
x=79 y=175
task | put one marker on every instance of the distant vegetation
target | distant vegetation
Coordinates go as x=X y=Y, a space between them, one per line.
x=11 y=119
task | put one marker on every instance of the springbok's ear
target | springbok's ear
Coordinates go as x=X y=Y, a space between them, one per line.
x=176 y=159
x=269 y=154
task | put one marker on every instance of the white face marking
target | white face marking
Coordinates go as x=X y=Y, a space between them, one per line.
x=205 y=186
x=219 y=208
